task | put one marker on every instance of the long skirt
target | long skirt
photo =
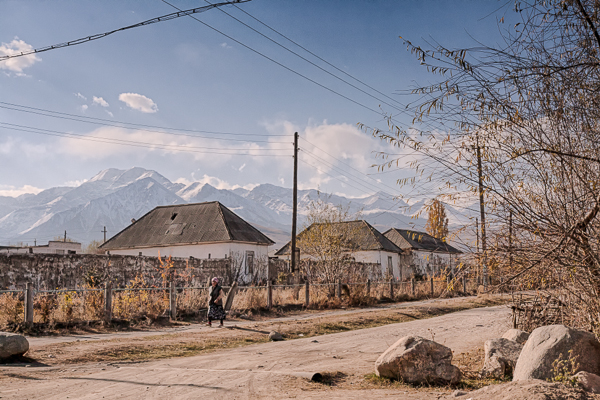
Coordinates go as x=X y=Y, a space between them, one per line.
x=216 y=311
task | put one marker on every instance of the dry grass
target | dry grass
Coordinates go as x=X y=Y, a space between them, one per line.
x=135 y=304
x=11 y=309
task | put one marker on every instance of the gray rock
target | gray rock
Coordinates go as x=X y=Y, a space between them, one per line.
x=275 y=336
x=457 y=393
x=12 y=344
x=517 y=335
x=414 y=359
x=547 y=343
x=588 y=382
x=501 y=356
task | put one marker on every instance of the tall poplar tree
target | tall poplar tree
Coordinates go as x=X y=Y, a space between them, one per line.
x=437 y=221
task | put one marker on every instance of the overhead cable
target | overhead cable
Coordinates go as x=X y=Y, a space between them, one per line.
x=128 y=125
x=180 y=148
x=278 y=63
x=318 y=57
x=310 y=62
x=86 y=39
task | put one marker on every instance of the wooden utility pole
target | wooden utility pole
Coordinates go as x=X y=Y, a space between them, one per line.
x=477 y=249
x=295 y=203
x=510 y=234
x=482 y=214
x=104 y=231
x=65 y=239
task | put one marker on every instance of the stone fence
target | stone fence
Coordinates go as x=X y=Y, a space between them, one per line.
x=51 y=271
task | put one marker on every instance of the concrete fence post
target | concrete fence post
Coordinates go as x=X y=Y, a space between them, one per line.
x=306 y=294
x=431 y=283
x=107 y=302
x=368 y=287
x=392 y=288
x=172 y=300
x=29 y=303
x=412 y=286
x=269 y=295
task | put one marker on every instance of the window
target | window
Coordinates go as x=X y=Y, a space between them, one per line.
x=209 y=256
x=249 y=262
x=60 y=252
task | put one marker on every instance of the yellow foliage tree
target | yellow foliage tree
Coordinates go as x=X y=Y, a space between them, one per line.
x=437 y=221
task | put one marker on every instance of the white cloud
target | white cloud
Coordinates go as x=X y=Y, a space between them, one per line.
x=84 y=107
x=19 y=63
x=109 y=113
x=242 y=167
x=75 y=183
x=221 y=184
x=139 y=102
x=100 y=101
x=12 y=191
x=79 y=95
x=225 y=45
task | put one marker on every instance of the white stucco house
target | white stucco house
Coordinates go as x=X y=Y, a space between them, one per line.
x=367 y=245
x=200 y=230
x=53 y=247
x=423 y=254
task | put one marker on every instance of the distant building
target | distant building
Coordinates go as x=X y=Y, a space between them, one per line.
x=53 y=247
x=200 y=230
x=423 y=254
x=367 y=243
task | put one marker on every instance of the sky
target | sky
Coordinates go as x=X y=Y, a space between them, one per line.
x=218 y=105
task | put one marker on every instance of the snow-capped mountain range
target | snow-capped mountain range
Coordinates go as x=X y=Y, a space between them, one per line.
x=113 y=197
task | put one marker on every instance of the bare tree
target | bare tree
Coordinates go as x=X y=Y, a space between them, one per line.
x=520 y=125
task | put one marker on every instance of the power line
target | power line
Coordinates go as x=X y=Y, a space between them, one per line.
x=121 y=124
x=315 y=55
x=348 y=165
x=86 y=39
x=185 y=149
x=362 y=182
x=277 y=62
x=346 y=183
x=308 y=61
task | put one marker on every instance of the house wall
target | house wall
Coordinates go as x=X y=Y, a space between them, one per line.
x=381 y=257
x=428 y=263
x=53 y=247
x=237 y=252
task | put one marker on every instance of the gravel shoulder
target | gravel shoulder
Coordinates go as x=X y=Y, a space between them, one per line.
x=262 y=370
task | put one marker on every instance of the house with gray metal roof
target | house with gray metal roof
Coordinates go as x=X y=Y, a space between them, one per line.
x=423 y=254
x=200 y=230
x=364 y=244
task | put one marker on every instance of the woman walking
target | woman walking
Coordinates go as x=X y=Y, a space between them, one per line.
x=215 y=303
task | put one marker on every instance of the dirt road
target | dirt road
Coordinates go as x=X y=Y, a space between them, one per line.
x=262 y=370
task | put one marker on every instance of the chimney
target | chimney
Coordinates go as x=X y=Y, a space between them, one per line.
x=132 y=220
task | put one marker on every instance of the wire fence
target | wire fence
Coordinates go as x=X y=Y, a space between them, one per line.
x=85 y=305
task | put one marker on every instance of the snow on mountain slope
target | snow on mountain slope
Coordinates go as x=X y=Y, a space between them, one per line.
x=115 y=211
x=112 y=197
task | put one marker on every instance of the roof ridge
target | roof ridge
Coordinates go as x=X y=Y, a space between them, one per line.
x=220 y=208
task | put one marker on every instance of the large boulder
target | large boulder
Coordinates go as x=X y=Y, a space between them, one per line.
x=517 y=335
x=589 y=382
x=549 y=343
x=12 y=344
x=414 y=359
x=501 y=356
x=525 y=390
